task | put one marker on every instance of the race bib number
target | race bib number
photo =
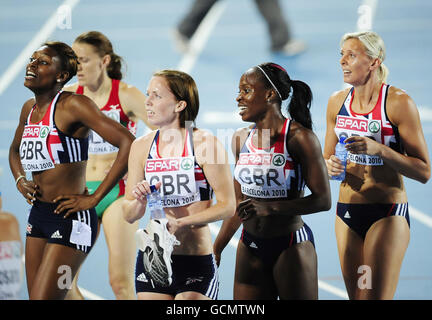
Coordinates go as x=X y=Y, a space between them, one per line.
x=34 y=152
x=262 y=175
x=365 y=159
x=97 y=145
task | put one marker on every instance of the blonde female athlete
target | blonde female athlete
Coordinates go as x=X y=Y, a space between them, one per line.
x=385 y=142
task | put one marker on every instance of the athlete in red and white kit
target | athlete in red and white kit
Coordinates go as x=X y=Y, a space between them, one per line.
x=100 y=78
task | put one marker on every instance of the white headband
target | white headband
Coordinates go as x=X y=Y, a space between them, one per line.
x=271 y=82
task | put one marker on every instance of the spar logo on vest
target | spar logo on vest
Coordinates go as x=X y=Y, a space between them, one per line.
x=177 y=176
x=374 y=126
x=350 y=126
x=34 y=152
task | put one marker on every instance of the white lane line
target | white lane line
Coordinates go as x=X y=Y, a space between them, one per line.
x=332 y=289
x=215 y=230
x=19 y=63
x=420 y=216
x=200 y=37
x=89 y=295
x=321 y=284
x=425 y=113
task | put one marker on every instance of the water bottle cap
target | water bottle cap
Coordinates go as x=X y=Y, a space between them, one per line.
x=152 y=188
x=342 y=139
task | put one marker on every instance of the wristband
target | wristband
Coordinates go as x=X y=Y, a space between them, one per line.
x=18 y=179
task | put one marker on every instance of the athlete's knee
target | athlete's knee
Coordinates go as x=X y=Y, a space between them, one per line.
x=122 y=286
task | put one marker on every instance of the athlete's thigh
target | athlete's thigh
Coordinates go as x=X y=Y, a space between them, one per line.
x=350 y=249
x=295 y=272
x=153 y=296
x=34 y=250
x=120 y=238
x=191 y=295
x=251 y=280
x=384 y=249
x=56 y=271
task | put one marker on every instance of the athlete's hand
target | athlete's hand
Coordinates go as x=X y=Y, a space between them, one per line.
x=250 y=207
x=142 y=189
x=28 y=189
x=74 y=203
x=172 y=225
x=364 y=145
x=217 y=254
x=334 y=166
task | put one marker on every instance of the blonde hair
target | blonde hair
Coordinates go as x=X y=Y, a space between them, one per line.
x=374 y=46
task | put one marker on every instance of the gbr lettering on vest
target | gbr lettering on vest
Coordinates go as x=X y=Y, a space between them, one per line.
x=261 y=175
x=177 y=177
x=34 y=152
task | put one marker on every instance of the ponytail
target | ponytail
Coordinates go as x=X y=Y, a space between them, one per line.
x=114 y=68
x=298 y=91
x=300 y=103
x=102 y=45
x=383 y=72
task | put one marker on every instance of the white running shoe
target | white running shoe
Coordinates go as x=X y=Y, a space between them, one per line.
x=142 y=239
x=157 y=251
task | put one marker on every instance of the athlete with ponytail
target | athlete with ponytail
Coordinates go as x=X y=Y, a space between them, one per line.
x=385 y=142
x=276 y=157
x=99 y=78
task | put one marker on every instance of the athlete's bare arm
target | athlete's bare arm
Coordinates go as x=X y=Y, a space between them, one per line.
x=403 y=113
x=84 y=112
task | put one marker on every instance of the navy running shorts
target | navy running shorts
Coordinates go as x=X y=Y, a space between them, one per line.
x=77 y=231
x=190 y=273
x=361 y=216
x=269 y=249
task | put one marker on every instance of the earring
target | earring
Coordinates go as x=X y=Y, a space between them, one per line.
x=58 y=80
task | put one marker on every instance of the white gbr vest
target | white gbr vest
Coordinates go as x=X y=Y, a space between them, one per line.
x=374 y=125
x=177 y=174
x=34 y=151
x=267 y=173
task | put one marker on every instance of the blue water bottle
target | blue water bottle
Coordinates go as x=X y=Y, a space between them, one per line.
x=154 y=202
x=341 y=153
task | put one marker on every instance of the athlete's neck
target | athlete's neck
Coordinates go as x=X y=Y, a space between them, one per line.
x=101 y=88
x=43 y=99
x=366 y=96
x=273 y=120
x=171 y=141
